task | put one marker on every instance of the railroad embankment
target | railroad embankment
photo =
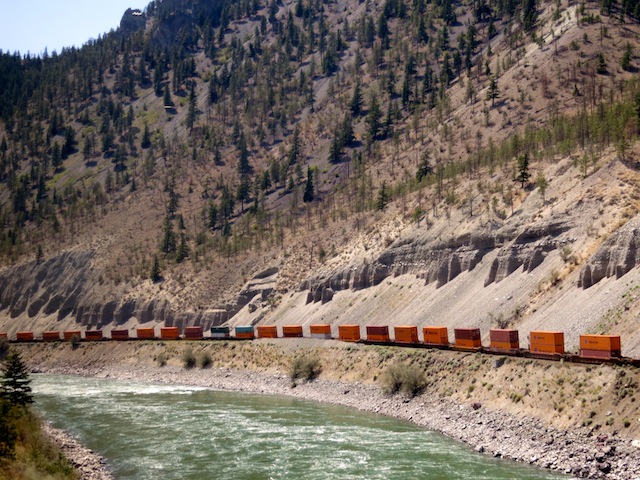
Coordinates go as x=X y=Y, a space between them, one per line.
x=580 y=419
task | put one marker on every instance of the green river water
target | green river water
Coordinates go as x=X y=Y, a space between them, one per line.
x=159 y=432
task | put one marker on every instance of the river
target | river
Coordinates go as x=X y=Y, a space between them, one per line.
x=166 y=432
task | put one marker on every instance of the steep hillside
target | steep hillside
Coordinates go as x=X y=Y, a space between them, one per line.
x=379 y=162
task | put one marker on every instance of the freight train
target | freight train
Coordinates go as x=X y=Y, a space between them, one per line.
x=542 y=344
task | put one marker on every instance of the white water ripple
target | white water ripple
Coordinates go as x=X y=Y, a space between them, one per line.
x=188 y=433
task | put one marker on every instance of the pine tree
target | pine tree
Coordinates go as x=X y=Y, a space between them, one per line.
x=383 y=197
x=373 y=119
x=183 y=249
x=167 y=97
x=56 y=157
x=308 y=189
x=523 y=169
x=156 y=273
x=294 y=152
x=424 y=168
x=356 y=101
x=146 y=137
x=168 y=244
x=493 y=92
x=625 y=61
x=15 y=386
x=335 y=151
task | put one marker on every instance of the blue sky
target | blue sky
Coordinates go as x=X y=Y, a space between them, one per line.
x=32 y=25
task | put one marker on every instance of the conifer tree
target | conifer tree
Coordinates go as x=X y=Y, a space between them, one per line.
x=308 y=189
x=183 y=249
x=156 y=273
x=493 y=92
x=373 y=119
x=356 y=101
x=383 y=197
x=15 y=387
x=523 y=169
x=146 y=137
x=168 y=244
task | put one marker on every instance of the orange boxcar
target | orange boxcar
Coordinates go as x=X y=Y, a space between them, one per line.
x=24 y=336
x=93 y=335
x=244 y=332
x=435 y=335
x=69 y=334
x=349 y=333
x=378 y=333
x=51 y=336
x=503 y=339
x=4 y=336
x=405 y=334
x=267 y=331
x=547 y=342
x=122 y=334
x=504 y=346
x=169 y=333
x=145 y=333
x=467 y=337
x=600 y=342
x=320 y=330
x=600 y=346
x=292 y=331
x=194 y=333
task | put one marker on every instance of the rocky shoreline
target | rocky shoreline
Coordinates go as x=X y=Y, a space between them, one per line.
x=580 y=453
x=87 y=463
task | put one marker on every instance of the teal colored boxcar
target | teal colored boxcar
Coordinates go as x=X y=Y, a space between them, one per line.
x=219 y=332
x=245 y=332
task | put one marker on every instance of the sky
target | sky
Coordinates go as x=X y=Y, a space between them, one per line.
x=32 y=25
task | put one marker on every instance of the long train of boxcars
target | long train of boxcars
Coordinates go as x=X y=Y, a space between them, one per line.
x=542 y=344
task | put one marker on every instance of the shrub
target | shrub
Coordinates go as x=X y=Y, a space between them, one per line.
x=188 y=358
x=306 y=368
x=75 y=342
x=204 y=360
x=161 y=359
x=400 y=377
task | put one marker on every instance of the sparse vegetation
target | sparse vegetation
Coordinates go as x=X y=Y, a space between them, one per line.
x=188 y=358
x=205 y=360
x=402 y=378
x=161 y=358
x=305 y=368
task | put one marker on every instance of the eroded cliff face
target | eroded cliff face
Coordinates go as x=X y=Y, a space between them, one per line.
x=456 y=269
x=440 y=262
x=67 y=290
x=615 y=257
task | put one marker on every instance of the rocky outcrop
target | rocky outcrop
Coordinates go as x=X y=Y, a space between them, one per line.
x=66 y=286
x=132 y=21
x=615 y=257
x=441 y=262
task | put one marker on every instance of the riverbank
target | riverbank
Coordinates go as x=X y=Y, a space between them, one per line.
x=88 y=464
x=581 y=451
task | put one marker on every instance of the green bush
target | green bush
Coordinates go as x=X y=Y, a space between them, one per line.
x=306 y=368
x=188 y=358
x=204 y=360
x=400 y=377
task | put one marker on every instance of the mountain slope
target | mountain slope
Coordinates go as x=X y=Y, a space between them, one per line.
x=198 y=133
